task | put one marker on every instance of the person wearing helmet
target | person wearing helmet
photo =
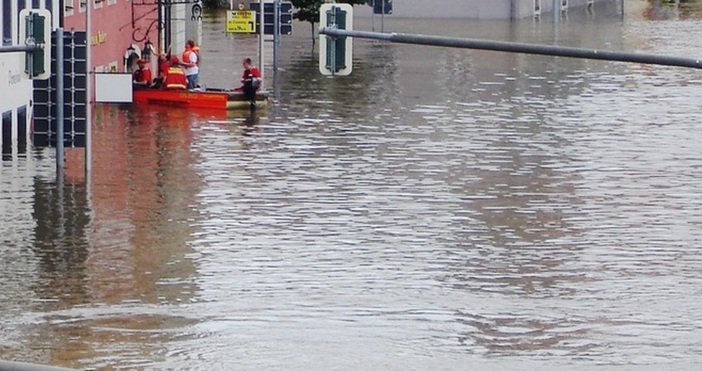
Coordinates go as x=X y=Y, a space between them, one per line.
x=175 y=77
x=141 y=78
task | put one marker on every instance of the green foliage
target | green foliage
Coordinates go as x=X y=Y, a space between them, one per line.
x=308 y=10
x=216 y=4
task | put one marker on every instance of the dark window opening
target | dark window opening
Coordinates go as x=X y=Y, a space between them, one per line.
x=6 y=132
x=22 y=129
x=6 y=22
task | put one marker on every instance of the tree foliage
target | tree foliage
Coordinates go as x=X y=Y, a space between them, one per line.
x=308 y=10
x=216 y=4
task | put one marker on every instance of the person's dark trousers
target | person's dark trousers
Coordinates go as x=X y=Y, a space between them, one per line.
x=250 y=93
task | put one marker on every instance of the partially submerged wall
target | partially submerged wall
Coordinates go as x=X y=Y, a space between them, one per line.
x=479 y=9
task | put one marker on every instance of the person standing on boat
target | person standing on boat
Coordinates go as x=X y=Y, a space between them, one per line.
x=190 y=62
x=163 y=65
x=250 y=80
x=175 y=77
x=141 y=78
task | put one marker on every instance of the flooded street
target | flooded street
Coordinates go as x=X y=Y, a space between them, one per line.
x=438 y=209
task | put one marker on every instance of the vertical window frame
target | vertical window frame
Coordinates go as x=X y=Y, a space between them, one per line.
x=6 y=133
x=7 y=19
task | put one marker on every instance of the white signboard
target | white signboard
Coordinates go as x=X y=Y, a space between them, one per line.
x=113 y=87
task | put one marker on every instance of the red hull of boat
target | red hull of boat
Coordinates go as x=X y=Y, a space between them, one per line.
x=208 y=99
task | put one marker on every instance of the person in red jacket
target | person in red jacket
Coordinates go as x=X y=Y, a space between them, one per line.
x=163 y=65
x=251 y=81
x=141 y=78
x=175 y=77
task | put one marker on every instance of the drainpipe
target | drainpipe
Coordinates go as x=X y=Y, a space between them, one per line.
x=556 y=10
x=512 y=10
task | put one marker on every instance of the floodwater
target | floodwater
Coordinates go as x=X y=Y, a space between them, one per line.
x=437 y=209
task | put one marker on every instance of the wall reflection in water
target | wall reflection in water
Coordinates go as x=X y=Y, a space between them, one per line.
x=122 y=247
x=142 y=197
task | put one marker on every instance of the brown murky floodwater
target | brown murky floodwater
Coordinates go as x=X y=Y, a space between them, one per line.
x=437 y=209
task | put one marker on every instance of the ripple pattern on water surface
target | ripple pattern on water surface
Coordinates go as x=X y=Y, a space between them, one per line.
x=513 y=226
x=464 y=210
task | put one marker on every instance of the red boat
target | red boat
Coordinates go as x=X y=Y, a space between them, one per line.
x=209 y=98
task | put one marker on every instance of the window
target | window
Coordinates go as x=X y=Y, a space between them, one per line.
x=6 y=23
x=22 y=129
x=97 y=4
x=82 y=5
x=68 y=8
x=111 y=2
x=6 y=130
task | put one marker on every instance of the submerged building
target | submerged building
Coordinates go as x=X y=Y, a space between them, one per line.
x=15 y=102
x=478 y=9
x=120 y=33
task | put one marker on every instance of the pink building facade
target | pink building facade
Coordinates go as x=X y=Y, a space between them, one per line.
x=121 y=30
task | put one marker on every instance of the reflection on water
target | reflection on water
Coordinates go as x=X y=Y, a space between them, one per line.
x=116 y=257
x=439 y=208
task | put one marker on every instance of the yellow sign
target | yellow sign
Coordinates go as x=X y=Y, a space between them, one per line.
x=100 y=38
x=241 y=21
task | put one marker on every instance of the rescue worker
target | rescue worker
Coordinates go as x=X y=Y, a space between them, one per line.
x=196 y=49
x=141 y=78
x=163 y=65
x=175 y=77
x=190 y=62
x=250 y=80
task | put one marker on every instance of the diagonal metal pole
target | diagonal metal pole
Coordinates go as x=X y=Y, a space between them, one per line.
x=514 y=47
x=20 y=48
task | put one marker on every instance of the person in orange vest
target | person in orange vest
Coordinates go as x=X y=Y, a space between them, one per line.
x=196 y=49
x=141 y=78
x=175 y=77
x=163 y=65
x=190 y=62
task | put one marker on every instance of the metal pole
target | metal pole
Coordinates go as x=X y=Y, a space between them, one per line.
x=260 y=42
x=23 y=366
x=622 y=9
x=59 y=104
x=556 y=10
x=503 y=46
x=276 y=33
x=20 y=48
x=373 y=15
x=382 y=16
x=167 y=25
x=159 y=20
x=88 y=98
x=332 y=45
